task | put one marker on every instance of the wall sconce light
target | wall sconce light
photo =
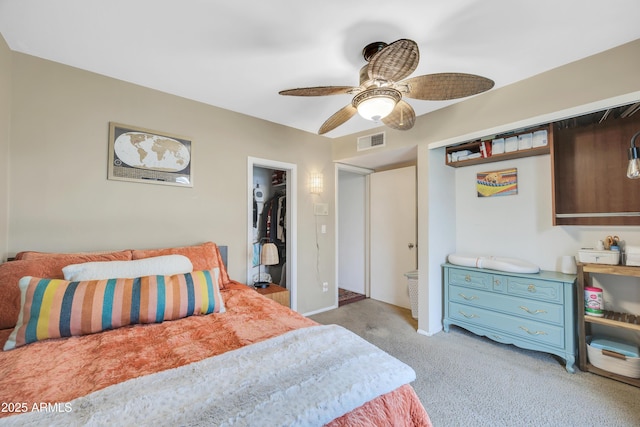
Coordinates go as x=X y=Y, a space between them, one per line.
x=315 y=183
x=633 y=170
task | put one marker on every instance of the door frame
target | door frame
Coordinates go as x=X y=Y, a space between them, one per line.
x=360 y=171
x=292 y=220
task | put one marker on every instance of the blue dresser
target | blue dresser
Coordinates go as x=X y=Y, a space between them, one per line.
x=532 y=311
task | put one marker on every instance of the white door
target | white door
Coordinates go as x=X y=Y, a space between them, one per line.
x=393 y=234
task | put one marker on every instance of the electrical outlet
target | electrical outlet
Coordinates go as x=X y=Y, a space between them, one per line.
x=325 y=286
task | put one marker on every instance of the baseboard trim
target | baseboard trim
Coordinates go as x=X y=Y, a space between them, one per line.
x=429 y=334
x=322 y=310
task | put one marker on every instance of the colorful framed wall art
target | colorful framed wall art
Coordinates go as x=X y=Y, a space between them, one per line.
x=497 y=183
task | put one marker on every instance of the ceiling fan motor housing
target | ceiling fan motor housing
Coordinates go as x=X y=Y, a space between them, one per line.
x=372 y=48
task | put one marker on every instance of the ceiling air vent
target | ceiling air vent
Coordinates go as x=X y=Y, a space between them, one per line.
x=371 y=141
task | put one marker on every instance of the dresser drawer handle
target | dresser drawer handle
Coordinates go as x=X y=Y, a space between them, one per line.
x=467 y=278
x=497 y=282
x=531 y=288
x=471 y=298
x=522 y=307
x=533 y=333
x=468 y=316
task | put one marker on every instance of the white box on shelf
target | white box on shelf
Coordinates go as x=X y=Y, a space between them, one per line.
x=593 y=256
x=511 y=144
x=525 y=141
x=539 y=139
x=633 y=259
x=497 y=146
x=460 y=155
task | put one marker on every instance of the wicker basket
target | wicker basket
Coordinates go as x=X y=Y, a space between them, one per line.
x=614 y=362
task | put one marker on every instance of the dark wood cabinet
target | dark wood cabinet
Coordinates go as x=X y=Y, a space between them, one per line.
x=589 y=165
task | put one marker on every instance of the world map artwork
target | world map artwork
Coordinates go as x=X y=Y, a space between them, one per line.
x=152 y=152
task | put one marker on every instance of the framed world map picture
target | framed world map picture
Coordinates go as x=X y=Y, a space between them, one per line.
x=143 y=155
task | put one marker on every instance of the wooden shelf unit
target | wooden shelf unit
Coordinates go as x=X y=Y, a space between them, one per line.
x=474 y=147
x=610 y=319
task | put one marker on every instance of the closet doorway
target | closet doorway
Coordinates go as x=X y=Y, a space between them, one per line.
x=272 y=207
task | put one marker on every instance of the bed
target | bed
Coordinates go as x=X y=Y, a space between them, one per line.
x=250 y=361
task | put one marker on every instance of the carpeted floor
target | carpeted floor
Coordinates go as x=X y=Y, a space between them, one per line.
x=466 y=380
x=347 y=297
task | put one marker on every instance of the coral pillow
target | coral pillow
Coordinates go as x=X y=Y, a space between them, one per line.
x=154 y=266
x=203 y=257
x=50 y=266
x=54 y=308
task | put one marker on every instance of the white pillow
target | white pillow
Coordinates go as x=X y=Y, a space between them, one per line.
x=165 y=265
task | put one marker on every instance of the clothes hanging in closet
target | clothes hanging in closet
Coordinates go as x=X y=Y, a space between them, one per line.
x=273 y=222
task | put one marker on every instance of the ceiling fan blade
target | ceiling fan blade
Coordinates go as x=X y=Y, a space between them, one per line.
x=394 y=62
x=443 y=86
x=319 y=91
x=403 y=117
x=337 y=119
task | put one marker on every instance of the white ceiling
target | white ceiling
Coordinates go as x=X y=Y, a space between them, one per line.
x=238 y=54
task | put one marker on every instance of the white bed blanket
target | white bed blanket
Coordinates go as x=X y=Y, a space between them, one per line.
x=305 y=377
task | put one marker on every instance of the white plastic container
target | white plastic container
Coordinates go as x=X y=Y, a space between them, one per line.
x=633 y=260
x=511 y=144
x=632 y=255
x=540 y=138
x=497 y=146
x=412 y=277
x=593 y=303
x=592 y=256
x=525 y=141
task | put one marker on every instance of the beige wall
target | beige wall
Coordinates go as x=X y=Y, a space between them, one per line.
x=60 y=199
x=5 y=118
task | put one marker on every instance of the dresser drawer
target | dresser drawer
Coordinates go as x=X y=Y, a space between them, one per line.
x=533 y=331
x=528 y=309
x=536 y=289
x=472 y=279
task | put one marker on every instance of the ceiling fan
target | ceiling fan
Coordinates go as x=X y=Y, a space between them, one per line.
x=383 y=84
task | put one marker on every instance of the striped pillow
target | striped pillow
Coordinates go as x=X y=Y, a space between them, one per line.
x=54 y=308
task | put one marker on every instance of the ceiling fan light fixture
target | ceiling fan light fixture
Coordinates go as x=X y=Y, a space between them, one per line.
x=376 y=103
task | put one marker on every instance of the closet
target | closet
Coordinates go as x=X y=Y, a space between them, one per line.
x=270 y=222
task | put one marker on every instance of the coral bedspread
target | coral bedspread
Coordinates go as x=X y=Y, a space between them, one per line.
x=61 y=370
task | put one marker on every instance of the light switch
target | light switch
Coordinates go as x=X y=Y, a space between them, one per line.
x=323 y=229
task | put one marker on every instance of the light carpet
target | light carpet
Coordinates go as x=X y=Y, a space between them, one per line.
x=465 y=380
